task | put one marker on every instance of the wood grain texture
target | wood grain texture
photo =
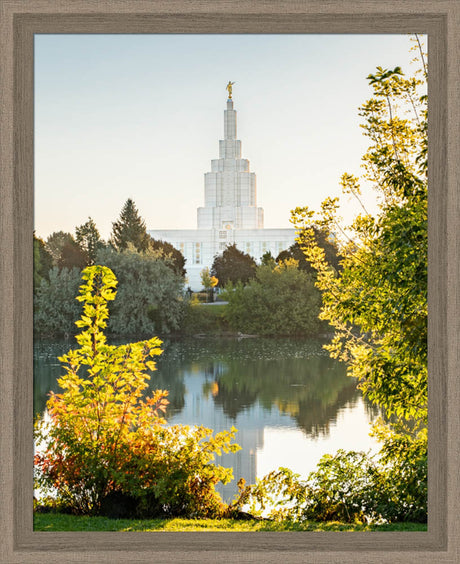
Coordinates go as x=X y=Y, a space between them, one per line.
x=19 y=21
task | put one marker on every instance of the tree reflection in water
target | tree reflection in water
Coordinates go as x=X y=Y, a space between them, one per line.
x=291 y=376
x=255 y=384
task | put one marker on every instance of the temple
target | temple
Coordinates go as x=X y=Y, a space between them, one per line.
x=230 y=214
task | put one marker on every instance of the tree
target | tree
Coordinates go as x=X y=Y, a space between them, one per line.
x=233 y=266
x=89 y=240
x=324 y=242
x=377 y=303
x=209 y=283
x=43 y=262
x=105 y=443
x=150 y=296
x=172 y=256
x=55 y=308
x=130 y=228
x=72 y=256
x=267 y=259
x=281 y=300
x=55 y=243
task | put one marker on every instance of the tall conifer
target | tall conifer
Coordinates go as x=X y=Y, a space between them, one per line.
x=89 y=240
x=130 y=228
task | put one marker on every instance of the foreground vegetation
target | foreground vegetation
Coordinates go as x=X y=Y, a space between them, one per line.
x=105 y=449
x=61 y=522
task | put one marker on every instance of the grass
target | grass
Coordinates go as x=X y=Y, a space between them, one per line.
x=62 y=522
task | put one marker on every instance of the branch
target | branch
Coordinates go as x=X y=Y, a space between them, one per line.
x=421 y=56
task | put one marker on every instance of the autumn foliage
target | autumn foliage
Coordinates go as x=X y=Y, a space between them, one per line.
x=103 y=447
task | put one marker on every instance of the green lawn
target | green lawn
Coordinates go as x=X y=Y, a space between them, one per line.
x=61 y=522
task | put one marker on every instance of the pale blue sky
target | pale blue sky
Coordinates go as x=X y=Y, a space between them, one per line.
x=140 y=116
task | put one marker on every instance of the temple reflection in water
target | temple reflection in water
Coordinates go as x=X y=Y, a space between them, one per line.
x=290 y=402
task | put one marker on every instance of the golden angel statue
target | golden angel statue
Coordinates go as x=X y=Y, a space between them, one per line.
x=229 y=88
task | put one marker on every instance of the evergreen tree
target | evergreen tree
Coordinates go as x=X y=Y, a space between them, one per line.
x=130 y=228
x=233 y=266
x=88 y=239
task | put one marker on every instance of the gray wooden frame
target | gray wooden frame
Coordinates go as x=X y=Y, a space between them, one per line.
x=20 y=20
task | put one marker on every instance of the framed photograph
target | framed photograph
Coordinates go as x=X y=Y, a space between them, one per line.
x=76 y=139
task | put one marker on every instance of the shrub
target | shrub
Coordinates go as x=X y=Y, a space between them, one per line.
x=105 y=448
x=280 y=300
x=207 y=319
x=350 y=486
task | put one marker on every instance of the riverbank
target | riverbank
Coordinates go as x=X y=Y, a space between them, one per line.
x=206 y=319
x=62 y=522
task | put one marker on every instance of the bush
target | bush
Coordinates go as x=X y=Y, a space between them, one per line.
x=280 y=301
x=105 y=448
x=207 y=319
x=350 y=486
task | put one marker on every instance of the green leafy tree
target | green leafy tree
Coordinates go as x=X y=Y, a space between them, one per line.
x=233 y=266
x=267 y=259
x=323 y=241
x=209 y=283
x=150 y=296
x=72 y=256
x=56 y=242
x=55 y=306
x=89 y=240
x=129 y=229
x=279 y=301
x=105 y=443
x=43 y=262
x=377 y=303
x=173 y=257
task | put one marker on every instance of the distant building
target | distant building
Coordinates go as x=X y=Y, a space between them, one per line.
x=230 y=213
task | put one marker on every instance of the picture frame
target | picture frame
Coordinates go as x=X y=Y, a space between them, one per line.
x=20 y=21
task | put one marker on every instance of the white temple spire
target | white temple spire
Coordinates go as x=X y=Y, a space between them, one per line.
x=230 y=121
x=230 y=188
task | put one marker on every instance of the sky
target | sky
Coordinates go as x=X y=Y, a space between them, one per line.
x=140 y=116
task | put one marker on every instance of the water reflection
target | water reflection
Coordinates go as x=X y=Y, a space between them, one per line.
x=256 y=384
